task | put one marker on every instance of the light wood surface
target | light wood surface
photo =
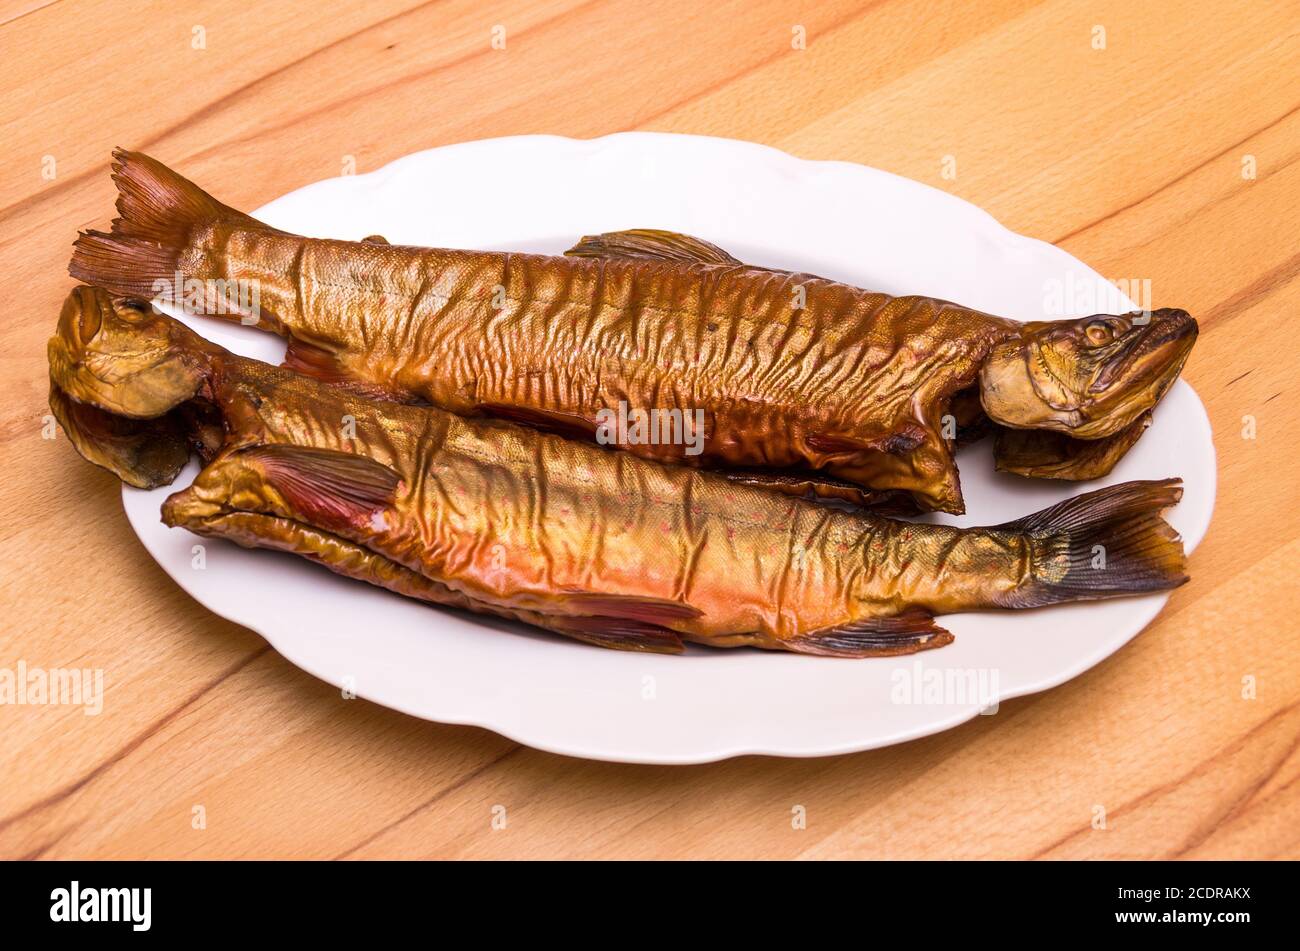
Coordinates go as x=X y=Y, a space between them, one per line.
x=1130 y=157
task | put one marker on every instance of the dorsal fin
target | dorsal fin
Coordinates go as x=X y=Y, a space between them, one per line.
x=651 y=243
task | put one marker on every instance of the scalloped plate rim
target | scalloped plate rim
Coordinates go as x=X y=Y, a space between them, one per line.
x=979 y=219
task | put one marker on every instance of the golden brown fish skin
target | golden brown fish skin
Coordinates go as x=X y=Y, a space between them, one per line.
x=1043 y=454
x=602 y=546
x=575 y=336
x=510 y=517
x=790 y=371
x=347 y=558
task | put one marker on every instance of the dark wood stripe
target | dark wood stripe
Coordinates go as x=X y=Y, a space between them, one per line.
x=26 y=13
x=134 y=744
x=762 y=63
x=1178 y=782
x=210 y=109
x=1174 y=181
x=1254 y=292
x=437 y=797
x=1213 y=823
x=354 y=100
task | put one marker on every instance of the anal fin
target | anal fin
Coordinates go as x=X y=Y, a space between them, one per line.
x=561 y=424
x=623 y=622
x=906 y=633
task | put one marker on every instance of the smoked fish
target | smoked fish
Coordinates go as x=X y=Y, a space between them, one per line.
x=803 y=384
x=796 y=382
x=604 y=547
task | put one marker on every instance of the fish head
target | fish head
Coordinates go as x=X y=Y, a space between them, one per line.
x=119 y=373
x=123 y=356
x=1089 y=378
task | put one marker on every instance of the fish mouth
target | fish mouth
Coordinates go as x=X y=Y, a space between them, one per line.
x=1137 y=376
x=144 y=453
x=1166 y=327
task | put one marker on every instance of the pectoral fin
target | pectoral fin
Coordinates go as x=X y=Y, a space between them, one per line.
x=632 y=607
x=818 y=485
x=618 y=633
x=651 y=243
x=323 y=486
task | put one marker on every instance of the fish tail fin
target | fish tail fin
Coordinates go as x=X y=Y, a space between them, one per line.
x=158 y=214
x=1102 y=544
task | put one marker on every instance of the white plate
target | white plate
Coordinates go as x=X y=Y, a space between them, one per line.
x=856 y=224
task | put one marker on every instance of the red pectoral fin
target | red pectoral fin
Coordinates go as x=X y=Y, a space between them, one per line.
x=650 y=610
x=620 y=634
x=313 y=361
x=325 y=487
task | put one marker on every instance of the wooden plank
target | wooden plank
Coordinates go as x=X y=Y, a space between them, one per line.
x=1130 y=156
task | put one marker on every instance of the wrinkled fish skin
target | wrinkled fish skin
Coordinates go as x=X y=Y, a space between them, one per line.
x=574 y=336
x=790 y=370
x=512 y=517
x=833 y=390
x=605 y=547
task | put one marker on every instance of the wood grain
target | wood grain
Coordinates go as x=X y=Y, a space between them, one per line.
x=1130 y=157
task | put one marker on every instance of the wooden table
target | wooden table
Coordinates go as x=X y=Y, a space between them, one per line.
x=1155 y=144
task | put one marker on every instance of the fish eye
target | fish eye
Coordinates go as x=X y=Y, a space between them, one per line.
x=1099 y=333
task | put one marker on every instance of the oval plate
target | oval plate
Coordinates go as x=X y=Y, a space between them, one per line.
x=848 y=222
